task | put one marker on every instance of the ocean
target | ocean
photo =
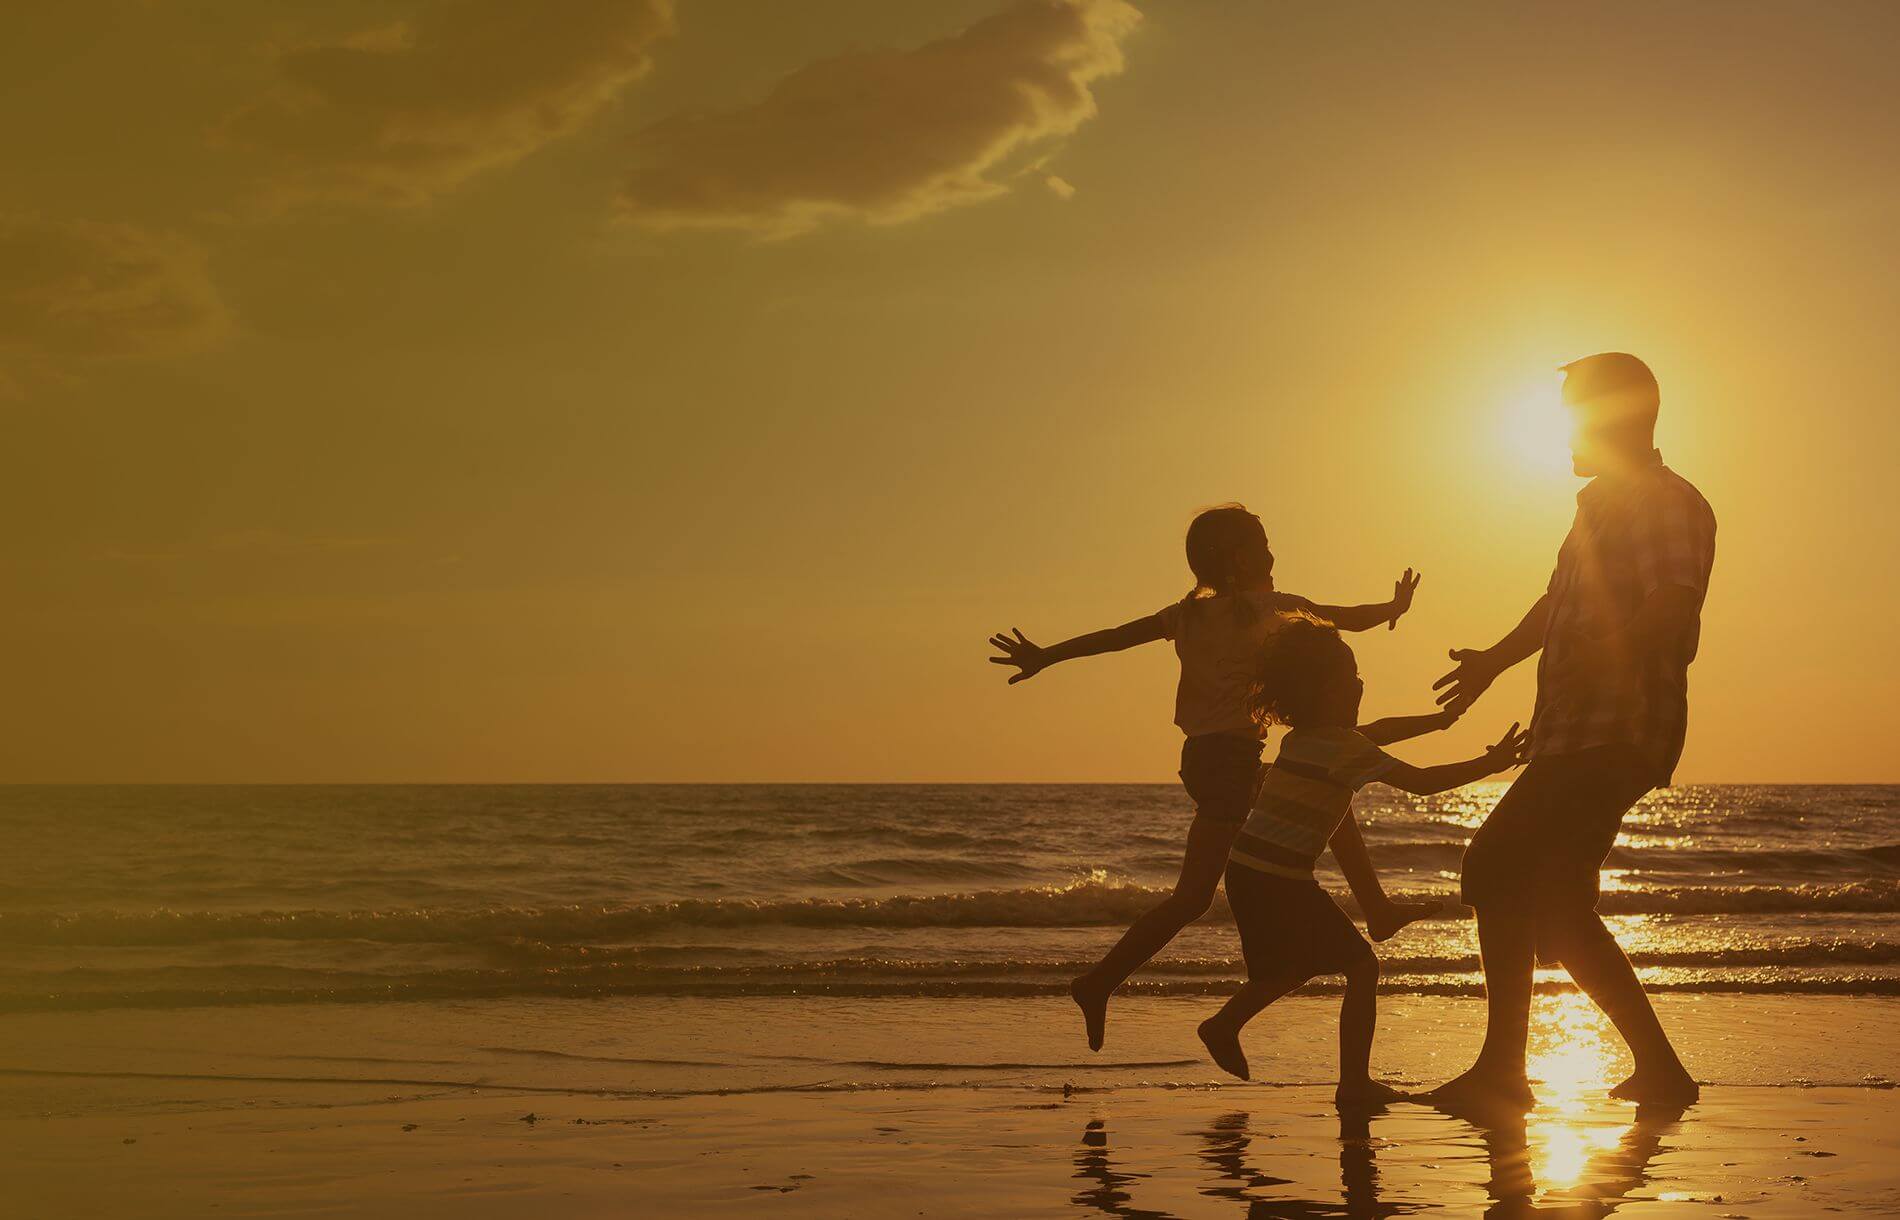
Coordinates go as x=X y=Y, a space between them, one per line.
x=193 y=897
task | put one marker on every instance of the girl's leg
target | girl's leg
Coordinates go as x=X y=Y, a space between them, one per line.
x=1220 y=1033
x=1201 y=868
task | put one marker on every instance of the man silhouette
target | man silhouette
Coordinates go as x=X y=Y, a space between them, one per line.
x=1618 y=627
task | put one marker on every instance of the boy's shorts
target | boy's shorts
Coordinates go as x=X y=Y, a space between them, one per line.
x=1221 y=773
x=1289 y=928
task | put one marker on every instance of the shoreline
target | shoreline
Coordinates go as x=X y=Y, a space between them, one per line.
x=990 y=1107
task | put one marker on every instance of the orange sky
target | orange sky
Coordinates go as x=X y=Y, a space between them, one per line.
x=589 y=391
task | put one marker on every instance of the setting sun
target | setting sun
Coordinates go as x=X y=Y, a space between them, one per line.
x=972 y=608
x=1534 y=428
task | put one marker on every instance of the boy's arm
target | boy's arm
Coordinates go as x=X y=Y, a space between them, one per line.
x=1403 y=728
x=1031 y=659
x=1429 y=781
x=1368 y=616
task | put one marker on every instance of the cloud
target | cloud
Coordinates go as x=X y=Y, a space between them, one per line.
x=404 y=113
x=76 y=290
x=883 y=136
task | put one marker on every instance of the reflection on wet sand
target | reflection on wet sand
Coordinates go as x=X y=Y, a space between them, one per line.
x=1568 y=1157
x=1225 y=1150
x=1582 y=1170
x=1593 y=1188
x=1108 y=1190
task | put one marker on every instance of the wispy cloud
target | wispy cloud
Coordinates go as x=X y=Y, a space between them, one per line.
x=74 y=290
x=884 y=136
x=402 y=113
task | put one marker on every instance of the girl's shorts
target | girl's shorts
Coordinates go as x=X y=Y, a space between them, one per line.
x=1221 y=772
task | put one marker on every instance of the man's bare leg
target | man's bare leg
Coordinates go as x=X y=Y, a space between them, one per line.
x=1598 y=965
x=1201 y=869
x=1507 y=939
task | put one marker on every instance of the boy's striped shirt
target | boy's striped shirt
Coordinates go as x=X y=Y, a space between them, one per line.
x=1304 y=796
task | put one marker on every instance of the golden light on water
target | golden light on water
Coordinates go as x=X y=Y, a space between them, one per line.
x=1574 y=1057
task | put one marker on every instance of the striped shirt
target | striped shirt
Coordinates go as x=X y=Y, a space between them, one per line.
x=1304 y=796
x=1634 y=534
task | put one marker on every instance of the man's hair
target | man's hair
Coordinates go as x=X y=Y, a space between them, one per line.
x=1612 y=379
x=1294 y=664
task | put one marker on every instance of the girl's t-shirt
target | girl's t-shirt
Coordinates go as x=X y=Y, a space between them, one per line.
x=1218 y=640
x=1304 y=796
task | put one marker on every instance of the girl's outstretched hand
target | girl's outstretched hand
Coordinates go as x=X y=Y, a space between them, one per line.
x=1402 y=590
x=1027 y=657
x=1511 y=749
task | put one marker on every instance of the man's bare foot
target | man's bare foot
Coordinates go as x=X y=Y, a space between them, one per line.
x=1673 y=1089
x=1385 y=923
x=1224 y=1046
x=1363 y=1093
x=1094 y=1006
x=1478 y=1091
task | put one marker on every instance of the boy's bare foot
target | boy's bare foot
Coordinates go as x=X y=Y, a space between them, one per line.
x=1383 y=924
x=1482 y=1092
x=1675 y=1088
x=1368 y=1092
x=1094 y=1006
x=1224 y=1046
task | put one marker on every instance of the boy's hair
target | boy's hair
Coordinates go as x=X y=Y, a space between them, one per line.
x=1294 y=664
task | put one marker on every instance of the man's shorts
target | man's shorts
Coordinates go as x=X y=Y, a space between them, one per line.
x=1543 y=846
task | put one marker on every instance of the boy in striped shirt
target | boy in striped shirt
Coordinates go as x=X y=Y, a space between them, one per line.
x=1290 y=929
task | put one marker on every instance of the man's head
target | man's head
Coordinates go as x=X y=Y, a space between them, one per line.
x=1613 y=400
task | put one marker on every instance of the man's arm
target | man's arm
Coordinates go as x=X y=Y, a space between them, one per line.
x=1368 y=616
x=1031 y=659
x=1385 y=731
x=1479 y=668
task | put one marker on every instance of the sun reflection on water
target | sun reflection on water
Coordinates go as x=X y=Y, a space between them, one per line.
x=1574 y=1056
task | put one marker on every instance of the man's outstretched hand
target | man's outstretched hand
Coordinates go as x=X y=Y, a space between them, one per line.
x=1402 y=590
x=1027 y=657
x=1475 y=673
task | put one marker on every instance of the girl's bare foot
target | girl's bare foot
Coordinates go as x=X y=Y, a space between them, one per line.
x=1367 y=1092
x=1094 y=1006
x=1675 y=1088
x=1223 y=1045
x=1384 y=923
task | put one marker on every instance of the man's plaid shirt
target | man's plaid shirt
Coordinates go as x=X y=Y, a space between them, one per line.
x=1634 y=534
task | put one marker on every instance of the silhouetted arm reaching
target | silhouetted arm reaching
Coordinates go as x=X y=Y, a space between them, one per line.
x=1031 y=659
x=1429 y=781
x=1366 y=617
x=1385 y=731
x=1478 y=668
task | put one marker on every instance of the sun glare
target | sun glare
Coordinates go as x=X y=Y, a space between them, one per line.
x=1572 y=1057
x=1535 y=429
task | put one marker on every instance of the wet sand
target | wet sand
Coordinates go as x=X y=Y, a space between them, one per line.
x=323 y=1113
x=1756 y=1152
